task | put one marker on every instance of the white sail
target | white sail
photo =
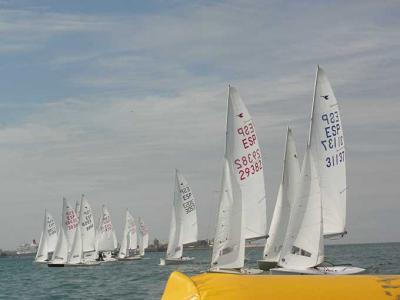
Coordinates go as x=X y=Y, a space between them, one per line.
x=86 y=221
x=60 y=254
x=183 y=227
x=106 y=239
x=242 y=211
x=327 y=146
x=175 y=243
x=303 y=246
x=76 y=255
x=143 y=237
x=184 y=197
x=48 y=238
x=69 y=222
x=78 y=208
x=243 y=154
x=42 y=252
x=129 y=234
x=132 y=243
x=285 y=199
x=51 y=233
x=228 y=249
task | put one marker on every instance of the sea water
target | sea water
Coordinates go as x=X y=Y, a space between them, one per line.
x=20 y=278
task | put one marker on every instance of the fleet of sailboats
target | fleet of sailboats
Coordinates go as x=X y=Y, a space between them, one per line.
x=310 y=205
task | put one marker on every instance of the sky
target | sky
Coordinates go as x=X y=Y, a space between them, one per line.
x=107 y=98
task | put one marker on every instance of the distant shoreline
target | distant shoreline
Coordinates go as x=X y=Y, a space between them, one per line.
x=12 y=253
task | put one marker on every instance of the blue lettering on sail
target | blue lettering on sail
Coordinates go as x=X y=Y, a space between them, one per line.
x=333 y=139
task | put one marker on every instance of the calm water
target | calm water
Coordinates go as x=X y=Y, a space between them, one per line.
x=21 y=279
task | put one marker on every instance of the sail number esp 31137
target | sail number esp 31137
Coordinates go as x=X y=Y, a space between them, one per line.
x=333 y=139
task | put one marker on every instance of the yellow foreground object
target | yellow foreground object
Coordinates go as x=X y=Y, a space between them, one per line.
x=229 y=286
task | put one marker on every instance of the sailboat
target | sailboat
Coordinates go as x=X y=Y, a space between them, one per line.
x=303 y=245
x=242 y=208
x=143 y=237
x=183 y=229
x=86 y=221
x=129 y=240
x=284 y=201
x=106 y=239
x=84 y=239
x=69 y=224
x=48 y=239
x=326 y=156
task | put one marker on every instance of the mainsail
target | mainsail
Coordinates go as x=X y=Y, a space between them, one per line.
x=183 y=227
x=228 y=248
x=48 y=238
x=132 y=243
x=143 y=237
x=303 y=245
x=242 y=210
x=106 y=239
x=76 y=255
x=86 y=221
x=69 y=223
x=129 y=240
x=327 y=147
x=285 y=200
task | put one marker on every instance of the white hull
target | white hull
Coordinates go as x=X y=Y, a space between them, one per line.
x=335 y=270
x=175 y=261
x=242 y=271
x=136 y=257
x=85 y=264
x=108 y=259
x=41 y=262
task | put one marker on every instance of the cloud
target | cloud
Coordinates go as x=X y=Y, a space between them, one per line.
x=141 y=94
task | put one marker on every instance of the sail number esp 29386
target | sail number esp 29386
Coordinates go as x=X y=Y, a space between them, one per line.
x=250 y=161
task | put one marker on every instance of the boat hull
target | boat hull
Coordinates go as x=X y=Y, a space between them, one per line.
x=130 y=258
x=108 y=260
x=55 y=265
x=334 y=270
x=242 y=271
x=90 y=264
x=175 y=261
x=266 y=265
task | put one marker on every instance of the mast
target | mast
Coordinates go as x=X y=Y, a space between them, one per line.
x=312 y=107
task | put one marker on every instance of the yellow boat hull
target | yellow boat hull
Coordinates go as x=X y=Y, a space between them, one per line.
x=229 y=286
